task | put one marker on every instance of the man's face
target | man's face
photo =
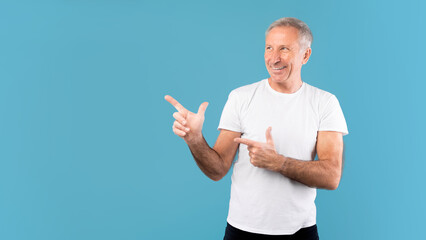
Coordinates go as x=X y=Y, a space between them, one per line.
x=283 y=57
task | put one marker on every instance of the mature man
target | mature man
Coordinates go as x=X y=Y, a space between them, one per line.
x=278 y=124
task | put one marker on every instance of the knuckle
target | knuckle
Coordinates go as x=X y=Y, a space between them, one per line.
x=179 y=126
x=177 y=115
x=178 y=132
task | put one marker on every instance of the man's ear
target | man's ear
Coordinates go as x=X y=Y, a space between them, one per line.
x=308 y=52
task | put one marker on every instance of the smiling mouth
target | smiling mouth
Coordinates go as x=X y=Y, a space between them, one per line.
x=278 y=68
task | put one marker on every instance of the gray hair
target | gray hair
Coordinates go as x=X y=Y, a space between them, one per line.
x=305 y=34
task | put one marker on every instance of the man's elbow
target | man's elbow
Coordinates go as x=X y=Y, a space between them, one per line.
x=334 y=182
x=217 y=177
x=218 y=174
x=333 y=186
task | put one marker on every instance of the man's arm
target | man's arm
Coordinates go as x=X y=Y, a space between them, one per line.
x=323 y=173
x=214 y=162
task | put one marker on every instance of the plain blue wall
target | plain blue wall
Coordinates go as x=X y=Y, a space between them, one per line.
x=86 y=143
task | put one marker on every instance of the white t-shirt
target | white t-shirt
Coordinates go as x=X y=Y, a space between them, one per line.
x=263 y=201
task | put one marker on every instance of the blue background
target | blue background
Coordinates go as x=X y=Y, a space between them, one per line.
x=86 y=143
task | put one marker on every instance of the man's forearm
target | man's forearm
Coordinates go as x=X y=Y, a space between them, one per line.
x=318 y=174
x=207 y=159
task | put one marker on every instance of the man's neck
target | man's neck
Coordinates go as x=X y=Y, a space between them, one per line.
x=287 y=86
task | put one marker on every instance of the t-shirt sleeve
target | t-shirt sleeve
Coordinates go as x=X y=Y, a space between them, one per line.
x=230 y=119
x=332 y=118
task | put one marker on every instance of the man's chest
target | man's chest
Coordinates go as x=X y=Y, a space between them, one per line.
x=294 y=123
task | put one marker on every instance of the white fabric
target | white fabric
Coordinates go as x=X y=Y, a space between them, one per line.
x=263 y=201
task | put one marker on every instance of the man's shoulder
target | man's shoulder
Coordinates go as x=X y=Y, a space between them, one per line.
x=317 y=92
x=247 y=89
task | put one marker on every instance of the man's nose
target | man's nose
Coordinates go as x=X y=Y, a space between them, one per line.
x=276 y=57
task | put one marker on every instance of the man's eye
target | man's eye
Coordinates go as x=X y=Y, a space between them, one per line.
x=284 y=48
x=268 y=48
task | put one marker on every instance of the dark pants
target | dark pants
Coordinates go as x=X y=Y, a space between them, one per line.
x=232 y=233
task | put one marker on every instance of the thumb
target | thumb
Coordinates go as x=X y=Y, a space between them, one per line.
x=202 y=108
x=269 y=139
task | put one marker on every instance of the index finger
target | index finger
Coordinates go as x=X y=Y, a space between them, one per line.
x=245 y=141
x=175 y=104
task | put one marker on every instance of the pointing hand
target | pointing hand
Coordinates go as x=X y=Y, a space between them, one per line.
x=262 y=155
x=188 y=125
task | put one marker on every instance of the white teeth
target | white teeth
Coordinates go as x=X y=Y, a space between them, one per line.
x=279 y=68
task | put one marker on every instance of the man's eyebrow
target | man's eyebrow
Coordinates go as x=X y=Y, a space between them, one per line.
x=282 y=45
